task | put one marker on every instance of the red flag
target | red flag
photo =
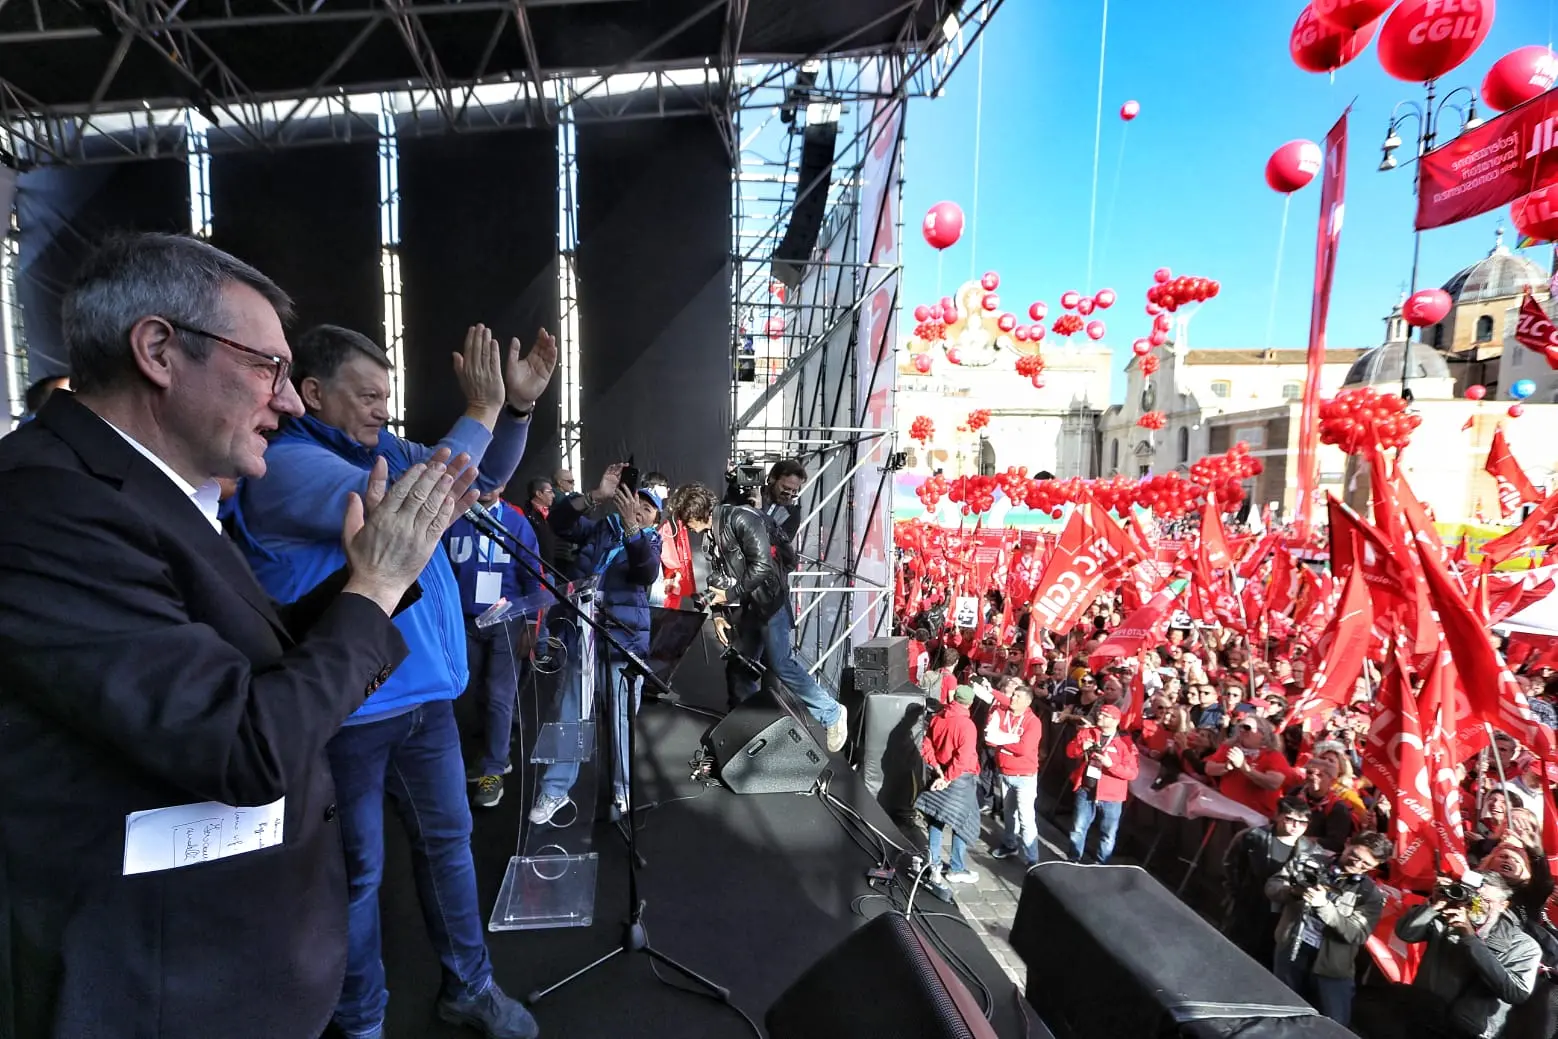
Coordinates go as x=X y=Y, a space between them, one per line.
x=1539 y=529
x=1514 y=490
x=1258 y=553
x=1396 y=959
x=1506 y=157
x=1093 y=549
x=1393 y=760
x=1333 y=191
x=1214 y=539
x=1436 y=711
x=1534 y=330
x=1141 y=630
x=1341 y=662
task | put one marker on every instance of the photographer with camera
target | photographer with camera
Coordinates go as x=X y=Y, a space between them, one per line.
x=748 y=561
x=1477 y=966
x=1330 y=906
x=776 y=498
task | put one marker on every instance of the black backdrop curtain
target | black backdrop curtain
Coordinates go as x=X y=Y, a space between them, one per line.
x=654 y=297
x=62 y=212
x=478 y=232
x=309 y=218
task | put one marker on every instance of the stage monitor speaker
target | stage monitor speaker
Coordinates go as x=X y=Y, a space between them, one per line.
x=813 y=179
x=888 y=748
x=889 y=653
x=764 y=747
x=1142 y=963
x=885 y=980
x=869 y=681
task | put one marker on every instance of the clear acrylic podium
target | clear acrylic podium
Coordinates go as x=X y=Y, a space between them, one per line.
x=550 y=880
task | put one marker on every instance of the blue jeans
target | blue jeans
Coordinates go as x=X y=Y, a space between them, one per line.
x=558 y=777
x=1108 y=813
x=1331 y=996
x=933 y=836
x=1022 y=825
x=495 y=682
x=414 y=758
x=779 y=655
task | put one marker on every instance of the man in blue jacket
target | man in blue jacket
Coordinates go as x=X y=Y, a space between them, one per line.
x=622 y=548
x=402 y=741
x=486 y=572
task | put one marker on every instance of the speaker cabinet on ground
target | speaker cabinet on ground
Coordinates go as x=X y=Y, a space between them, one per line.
x=764 y=747
x=888 y=749
x=885 y=981
x=890 y=653
x=1139 y=962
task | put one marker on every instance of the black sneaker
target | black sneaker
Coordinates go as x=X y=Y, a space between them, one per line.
x=489 y=791
x=492 y=1013
x=473 y=774
x=1003 y=852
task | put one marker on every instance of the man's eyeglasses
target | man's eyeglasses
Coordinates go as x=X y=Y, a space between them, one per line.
x=282 y=365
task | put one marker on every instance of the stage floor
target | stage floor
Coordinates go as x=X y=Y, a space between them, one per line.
x=747 y=890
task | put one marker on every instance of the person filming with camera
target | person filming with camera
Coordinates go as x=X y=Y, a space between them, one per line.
x=1330 y=906
x=1478 y=963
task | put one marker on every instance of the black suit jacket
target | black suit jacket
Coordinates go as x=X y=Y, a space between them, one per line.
x=142 y=667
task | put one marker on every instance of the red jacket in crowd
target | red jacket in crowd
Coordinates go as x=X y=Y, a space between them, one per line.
x=1019 y=756
x=1119 y=763
x=950 y=742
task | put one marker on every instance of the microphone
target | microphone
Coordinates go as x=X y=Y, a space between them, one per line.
x=482 y=520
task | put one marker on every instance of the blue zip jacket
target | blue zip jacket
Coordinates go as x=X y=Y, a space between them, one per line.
x=628 y=568
x=472 y=553
x=288 y=523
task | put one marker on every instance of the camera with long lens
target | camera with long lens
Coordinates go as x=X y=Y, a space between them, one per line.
x=1308 y=875
x=1455 y=894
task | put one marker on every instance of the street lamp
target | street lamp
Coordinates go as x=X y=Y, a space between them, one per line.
x=1428 y=116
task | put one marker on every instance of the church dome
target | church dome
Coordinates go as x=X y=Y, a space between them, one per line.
x=1382 y=365
x=1500 y=275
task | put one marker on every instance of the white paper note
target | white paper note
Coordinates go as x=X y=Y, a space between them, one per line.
x=489 y=587
x=186 y=835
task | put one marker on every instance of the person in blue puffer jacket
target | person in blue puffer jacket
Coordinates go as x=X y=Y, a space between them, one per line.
x=402 y=742
x=622 y=548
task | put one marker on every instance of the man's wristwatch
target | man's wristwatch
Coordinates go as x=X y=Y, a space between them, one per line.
x=516 y=413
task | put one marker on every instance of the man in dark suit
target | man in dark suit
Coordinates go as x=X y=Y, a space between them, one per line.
x=170 y=861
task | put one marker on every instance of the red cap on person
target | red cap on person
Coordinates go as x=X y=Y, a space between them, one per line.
x=1111 y=710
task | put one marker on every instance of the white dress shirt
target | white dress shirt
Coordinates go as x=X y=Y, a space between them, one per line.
x=207 y=497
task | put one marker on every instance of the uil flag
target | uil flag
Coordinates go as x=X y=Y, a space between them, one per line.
x=1514 y=490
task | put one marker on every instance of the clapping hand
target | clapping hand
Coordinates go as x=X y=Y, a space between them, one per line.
x=390 y=532
x=526 y=378
x=479 y=367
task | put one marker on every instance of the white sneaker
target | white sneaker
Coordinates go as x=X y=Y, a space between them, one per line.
x=838 y=732
x=962 y=876
x=546 y=807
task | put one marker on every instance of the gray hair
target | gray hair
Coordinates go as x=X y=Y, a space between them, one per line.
x=132 y=277
x=320 y=352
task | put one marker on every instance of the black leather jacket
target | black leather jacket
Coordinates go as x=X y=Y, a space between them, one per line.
x=741 y=557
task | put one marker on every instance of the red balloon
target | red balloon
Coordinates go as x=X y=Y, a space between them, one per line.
x=922 y=313
x=1020 y=333
x=1519 y=76
x=922 y=363
x=774 y=326
x=1213 y=289
x=955 y=355
x=991 y=281
x=1006 y=322
x=1349 y=15
x=1141 y=348
x=1037 y=311
x=991 y=301
x=1161 y=275
x=1476 y=392
x=1516 y=410
x=1085 y=306
x=1157 y=338
x=1292 y=166
x=1095 y=330
x=1426 y=307
x=1069 y=299
x=1130 y=110
x=1036 y=332
x=1424 y=39
x=1104 y=298
x=1316 y=47
x=1153 y=310
x=943 y=225
x=1537 y=214
x=1162 y=323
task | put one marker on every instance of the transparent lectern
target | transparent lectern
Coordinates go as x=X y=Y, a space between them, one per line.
x=550 y=881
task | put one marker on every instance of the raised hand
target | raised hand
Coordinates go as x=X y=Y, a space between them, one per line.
x=390 y=533
x=526 y=378
x=479 y=367
x=610 y=480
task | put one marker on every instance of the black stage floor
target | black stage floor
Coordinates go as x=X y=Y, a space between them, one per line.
x=748 y=890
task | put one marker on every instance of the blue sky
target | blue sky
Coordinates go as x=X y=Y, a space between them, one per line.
x=1218 y=93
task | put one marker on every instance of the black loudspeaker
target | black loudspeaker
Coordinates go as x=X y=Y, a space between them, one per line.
x=812 y=180
x=764 y=747
x=890 y=654
x=1143 y=964
x=885 y=981
x=888 y=748
x=868 y=682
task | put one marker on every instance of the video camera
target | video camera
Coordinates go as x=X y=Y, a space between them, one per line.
x=746 y=476
x=1455 y=894
x=1309 y=874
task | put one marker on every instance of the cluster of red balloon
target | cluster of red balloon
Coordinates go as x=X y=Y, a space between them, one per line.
x=1223 y=475
x=1032 y=365
x=1362 y=421
x=1170 y=293
x=932 y=491
x=922 y=429
x=1153 y=420
x=1067 y=325
x=978 y=419
x=975 y=493
x=1148 y=364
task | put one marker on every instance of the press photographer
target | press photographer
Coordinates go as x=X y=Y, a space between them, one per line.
x=776 y=497
x=749 y=560
x=1330 y=906
x=1478 y=963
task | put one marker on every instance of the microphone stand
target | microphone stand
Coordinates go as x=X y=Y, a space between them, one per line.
x=635 y=936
